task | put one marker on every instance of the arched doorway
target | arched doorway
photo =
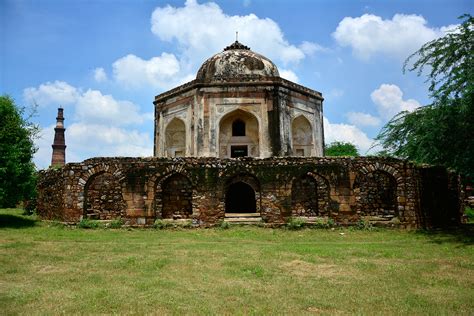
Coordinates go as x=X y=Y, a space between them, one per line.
x=240 y=198
x=238 y=135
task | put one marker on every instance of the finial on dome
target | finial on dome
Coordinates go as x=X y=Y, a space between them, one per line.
x=237 y=44
x=236 y=36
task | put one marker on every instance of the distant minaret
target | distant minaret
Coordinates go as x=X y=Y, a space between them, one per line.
x=59 y=144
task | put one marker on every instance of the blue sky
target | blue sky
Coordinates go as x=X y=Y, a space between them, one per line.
x=104 y=61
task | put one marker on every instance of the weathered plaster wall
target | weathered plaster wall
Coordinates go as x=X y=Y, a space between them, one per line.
x=141 y=190
x=274 y=103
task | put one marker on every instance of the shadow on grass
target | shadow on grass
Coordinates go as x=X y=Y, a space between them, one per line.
x=15 y=221
x=464 y=234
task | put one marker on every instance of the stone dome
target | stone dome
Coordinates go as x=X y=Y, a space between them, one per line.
x=236 y=61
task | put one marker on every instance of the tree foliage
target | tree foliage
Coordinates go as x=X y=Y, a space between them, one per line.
x=341 y=149
x=441 y=133
x=17 y=171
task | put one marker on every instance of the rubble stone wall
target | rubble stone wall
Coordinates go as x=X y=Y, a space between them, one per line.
x=140 y=190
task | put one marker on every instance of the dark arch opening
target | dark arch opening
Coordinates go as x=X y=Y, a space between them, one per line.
x=240 y=198
x=238 y=128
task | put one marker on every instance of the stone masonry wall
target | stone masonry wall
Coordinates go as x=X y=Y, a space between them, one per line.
x=140 y=190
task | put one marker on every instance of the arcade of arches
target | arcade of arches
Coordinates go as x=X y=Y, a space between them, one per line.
x=203 y=190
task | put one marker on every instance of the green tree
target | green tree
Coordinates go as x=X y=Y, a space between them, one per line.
x=17 y=171
x=341 y=149
x=441 y=133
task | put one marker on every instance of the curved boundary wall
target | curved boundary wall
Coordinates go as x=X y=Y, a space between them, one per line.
x=385 y=191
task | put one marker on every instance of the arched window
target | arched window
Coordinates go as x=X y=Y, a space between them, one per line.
x=302 y=136
x=176 y=138
x=238 y=128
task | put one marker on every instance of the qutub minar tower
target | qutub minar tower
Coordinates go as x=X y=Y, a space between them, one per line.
x=59 y=144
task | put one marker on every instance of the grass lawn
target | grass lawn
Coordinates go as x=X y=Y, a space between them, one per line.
x=243 y=270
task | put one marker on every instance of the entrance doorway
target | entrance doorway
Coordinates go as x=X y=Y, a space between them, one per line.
x=238 y=151
x=240 y=198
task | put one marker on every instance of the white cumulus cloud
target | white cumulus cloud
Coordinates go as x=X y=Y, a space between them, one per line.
x=204 y=29
x=362 y=119
x=288 y=75
x=92 y=140
x=346 y=133
x=100 y=75
x=398 y=37
x=388 y=99
x=51 y=93
x=93 y=106
x=157 y=72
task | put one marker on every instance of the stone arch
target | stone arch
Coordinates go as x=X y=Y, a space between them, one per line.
x=242 y=194
x=376 y=193
x=173 y=196
x=310 y=195
x=238 y=146
x=103 y=197
x=175 y=138
x=301 y=136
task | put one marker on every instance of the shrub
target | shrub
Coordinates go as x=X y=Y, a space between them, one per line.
x=295 y=223
x=469 y=212
x=363 y=225
x=88 y=223
x=321 y=223
x=116 y=223
x=170 y=223
x=224 y=225
x=159 y=224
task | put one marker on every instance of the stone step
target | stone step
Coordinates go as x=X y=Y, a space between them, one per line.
x=242 y=215
x=243 y=220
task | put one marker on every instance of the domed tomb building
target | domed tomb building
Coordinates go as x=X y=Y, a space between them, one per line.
x=238 y=105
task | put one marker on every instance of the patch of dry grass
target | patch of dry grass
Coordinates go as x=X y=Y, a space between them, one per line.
x=57 y=270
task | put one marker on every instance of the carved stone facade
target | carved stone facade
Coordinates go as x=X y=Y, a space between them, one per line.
x=238 y=105
x=140 y=190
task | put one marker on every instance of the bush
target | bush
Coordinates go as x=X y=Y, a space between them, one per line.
x=363 y=225
x=321 y=223
x=224 y=225
x=88 y=223
x=469 y=212
x=116 y=223
x=295 y=223
x=170 y=223
x=159 y=224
